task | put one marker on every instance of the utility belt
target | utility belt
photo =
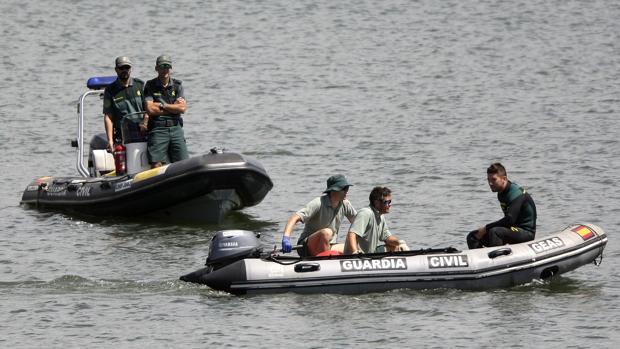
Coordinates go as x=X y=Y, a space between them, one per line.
x=166 y=122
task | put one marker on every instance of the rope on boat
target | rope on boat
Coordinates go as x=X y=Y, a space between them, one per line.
x=599 y=259
x=273 y=258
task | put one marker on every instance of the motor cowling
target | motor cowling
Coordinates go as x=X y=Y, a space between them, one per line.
x=120 y=159
x=228 y=246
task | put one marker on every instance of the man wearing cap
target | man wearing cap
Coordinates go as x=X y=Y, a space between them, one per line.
x=120 y=98
x=165 y=102
x=322 y=218
x=370 y=227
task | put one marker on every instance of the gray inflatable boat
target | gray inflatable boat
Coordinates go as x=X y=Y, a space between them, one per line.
x=238 y=265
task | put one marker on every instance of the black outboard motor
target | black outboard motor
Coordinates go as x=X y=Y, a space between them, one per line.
x=228 y=246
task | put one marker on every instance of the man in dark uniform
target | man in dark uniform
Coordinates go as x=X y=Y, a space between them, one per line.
x=121 y=98
x=519 y=221
x=165 y=102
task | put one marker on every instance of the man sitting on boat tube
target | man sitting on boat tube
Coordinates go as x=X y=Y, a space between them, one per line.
x=519 y=221
x=369 y=227
x=322 y=218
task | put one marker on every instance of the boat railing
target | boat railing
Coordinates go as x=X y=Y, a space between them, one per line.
x=96 y=86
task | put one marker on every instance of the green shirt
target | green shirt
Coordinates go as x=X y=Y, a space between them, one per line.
x=119 y=101
x=371 y=228
x=156 y=92
x=518 y=207
x=319 y=214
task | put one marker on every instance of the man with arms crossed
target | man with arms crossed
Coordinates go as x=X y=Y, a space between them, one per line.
x=165 y=103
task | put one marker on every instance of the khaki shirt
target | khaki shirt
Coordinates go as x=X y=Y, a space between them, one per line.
x=318 y=214
x=371 y=228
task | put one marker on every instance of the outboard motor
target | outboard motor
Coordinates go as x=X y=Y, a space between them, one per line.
x=228 y=246
x=100 y=161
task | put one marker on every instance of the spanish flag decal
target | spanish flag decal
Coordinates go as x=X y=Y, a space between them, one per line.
x=43 y=179
x=584 y=232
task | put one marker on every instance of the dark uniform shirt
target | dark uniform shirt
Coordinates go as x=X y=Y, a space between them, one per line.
x=156 y=92
x=166 y=141
x=119 y=101
x=518 y=207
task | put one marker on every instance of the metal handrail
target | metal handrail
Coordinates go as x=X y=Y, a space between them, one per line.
x=83 y=170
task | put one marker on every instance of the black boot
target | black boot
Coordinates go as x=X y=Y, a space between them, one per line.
x=472 y=241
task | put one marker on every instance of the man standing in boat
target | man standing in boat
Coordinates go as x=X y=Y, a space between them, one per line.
x=165 y=102
x=370 y=227
x=121 y=98
x=519 y=221
x=322 y=218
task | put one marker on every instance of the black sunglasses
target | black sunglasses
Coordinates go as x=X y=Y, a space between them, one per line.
x=125 y=67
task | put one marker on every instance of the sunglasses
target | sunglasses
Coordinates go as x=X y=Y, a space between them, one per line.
x=125 y=67
x=387 y=202
x=165 y=66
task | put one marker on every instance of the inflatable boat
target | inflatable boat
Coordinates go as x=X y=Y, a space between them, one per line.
x=236 y=264
x=201 y=189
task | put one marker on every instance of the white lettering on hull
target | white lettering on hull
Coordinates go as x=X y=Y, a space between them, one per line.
x=546 y=245
x=449 y=261
x=83 y=191
x=122 y=186
x=374 y=264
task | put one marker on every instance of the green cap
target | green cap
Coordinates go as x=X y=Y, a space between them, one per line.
x=337 y=183
x=122 y=60
x=163 y=59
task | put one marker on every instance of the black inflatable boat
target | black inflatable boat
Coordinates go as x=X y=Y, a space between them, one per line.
x=201 y=189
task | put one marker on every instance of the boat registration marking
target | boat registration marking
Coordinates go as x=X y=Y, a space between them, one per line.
x=448 y=261
x=374 y=264
x=546 y=245
x=122 y=185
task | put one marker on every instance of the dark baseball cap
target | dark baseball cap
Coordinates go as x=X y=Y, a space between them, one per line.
x=163 y=60
x=122 y=60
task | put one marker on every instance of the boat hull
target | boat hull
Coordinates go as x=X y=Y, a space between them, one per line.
x=200 y=189
x=479 y=269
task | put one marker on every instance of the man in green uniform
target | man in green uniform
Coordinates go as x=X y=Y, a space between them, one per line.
x=121 y=98
x=370 y=227
x=165 y=102
x=322 y=218
x=519 y=221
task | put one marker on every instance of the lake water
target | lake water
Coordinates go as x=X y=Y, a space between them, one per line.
x=420 y=96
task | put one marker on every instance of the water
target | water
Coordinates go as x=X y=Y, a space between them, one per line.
x=418 y=95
